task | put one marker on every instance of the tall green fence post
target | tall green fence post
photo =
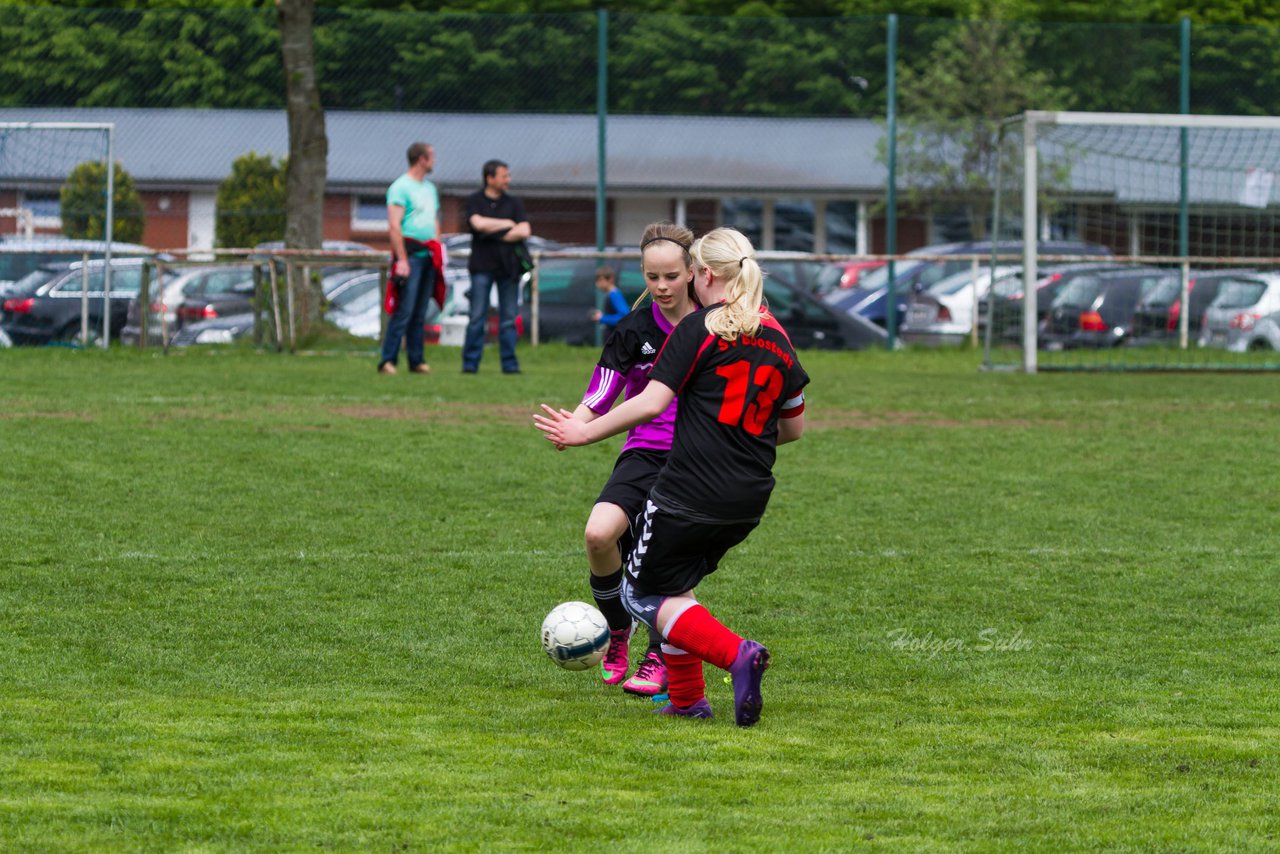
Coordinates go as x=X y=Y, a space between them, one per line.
x=1184 y=241
x=602 y=128
x=1184 y=107
x=891 y=190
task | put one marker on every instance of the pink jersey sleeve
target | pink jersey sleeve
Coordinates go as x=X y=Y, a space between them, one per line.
x=603 y=390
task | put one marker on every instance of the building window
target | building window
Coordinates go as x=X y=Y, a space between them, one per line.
x=842 y=227
x=46 y=209
x=746 y=215
x=369 y=213
x=793 y=225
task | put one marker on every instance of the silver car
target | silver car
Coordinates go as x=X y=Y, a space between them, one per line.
x=1241 y=302
x=1265 y=334
x=165 y=315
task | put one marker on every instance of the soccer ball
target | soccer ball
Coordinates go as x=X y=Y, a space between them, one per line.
x=575 y=635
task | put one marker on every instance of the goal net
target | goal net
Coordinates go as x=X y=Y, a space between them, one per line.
x=36 y=161
x=1187 y=207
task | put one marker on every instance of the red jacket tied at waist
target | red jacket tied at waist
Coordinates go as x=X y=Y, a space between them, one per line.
x=395 y=283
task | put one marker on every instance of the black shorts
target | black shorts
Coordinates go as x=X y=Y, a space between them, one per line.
x=633 y=476
x=672 y=554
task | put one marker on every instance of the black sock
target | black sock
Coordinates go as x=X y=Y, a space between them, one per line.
x=607 y=590
x=655 y=642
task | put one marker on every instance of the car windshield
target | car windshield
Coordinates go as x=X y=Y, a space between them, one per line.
x=353 y=292
x=828 y=279
x=879 y=277
x=1080 y=291
x=31 y=282
x=365 y=301
x=1164 y=292
x=1238 y=294
x=1008 y=286
x=221 y=281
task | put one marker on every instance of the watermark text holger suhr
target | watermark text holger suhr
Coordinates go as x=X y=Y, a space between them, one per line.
x=931 y=645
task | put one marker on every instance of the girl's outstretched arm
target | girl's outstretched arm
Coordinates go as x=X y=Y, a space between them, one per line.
x=563 y=429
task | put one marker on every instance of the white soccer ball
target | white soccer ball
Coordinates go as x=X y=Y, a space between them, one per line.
x=575 y=635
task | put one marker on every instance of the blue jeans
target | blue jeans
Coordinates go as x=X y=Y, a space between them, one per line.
x=473 y=346
x=411 y=313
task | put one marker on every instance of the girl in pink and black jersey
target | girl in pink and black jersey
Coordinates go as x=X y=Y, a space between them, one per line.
x=625 y=362
x=741 y=392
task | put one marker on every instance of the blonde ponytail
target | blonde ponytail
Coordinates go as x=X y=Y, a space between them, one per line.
x=730 y=256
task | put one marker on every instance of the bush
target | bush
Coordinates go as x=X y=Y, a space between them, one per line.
x=84 y=213
x=251 y=202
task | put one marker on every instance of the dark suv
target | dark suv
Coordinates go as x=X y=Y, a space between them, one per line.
x=18 y=256
x=48 y=303
x=1096 y=310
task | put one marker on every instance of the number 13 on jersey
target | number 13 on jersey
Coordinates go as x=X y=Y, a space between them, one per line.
x=766 y=383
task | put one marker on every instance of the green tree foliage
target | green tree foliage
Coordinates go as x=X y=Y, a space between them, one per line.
x=84 y=209
x=951 y=109
x=745 y=66
x=251 y=202
x=780 y=58
x=169 y=57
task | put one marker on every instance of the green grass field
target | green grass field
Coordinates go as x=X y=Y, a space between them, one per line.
x=269 y=602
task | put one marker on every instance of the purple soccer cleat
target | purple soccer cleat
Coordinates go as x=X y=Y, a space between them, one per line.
x=747 y=670
x=700 y=709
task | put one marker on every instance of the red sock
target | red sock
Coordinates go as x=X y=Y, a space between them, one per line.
x=685 y=685
x=703 y=635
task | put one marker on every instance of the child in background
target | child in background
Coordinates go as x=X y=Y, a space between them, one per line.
x=615 y=303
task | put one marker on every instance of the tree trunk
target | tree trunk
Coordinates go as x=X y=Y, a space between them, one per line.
x=308 y=152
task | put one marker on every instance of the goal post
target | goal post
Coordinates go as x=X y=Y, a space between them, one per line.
x=38 y=157
x=1170 y=196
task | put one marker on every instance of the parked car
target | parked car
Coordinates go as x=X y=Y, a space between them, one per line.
x=18 y=257
x=195 y=293
x=1095 y=310
x=220 y=330
x=912 y=275
x=1264 y=336
x=842 y=275
x=944 y=314
x=46 y=305
x=333 y=283
x=796 y=268
x=1003 y=303
x=1230 y=319
x=1158 y=314
x=356 y=306
x=567 y=293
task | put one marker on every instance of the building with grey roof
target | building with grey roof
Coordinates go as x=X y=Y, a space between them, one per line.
x=700 y=169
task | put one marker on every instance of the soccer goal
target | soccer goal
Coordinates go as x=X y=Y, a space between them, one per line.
x=36 y=160
x=1187 y=208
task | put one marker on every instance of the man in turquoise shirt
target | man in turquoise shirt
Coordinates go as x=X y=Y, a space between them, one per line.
x=413 y=218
